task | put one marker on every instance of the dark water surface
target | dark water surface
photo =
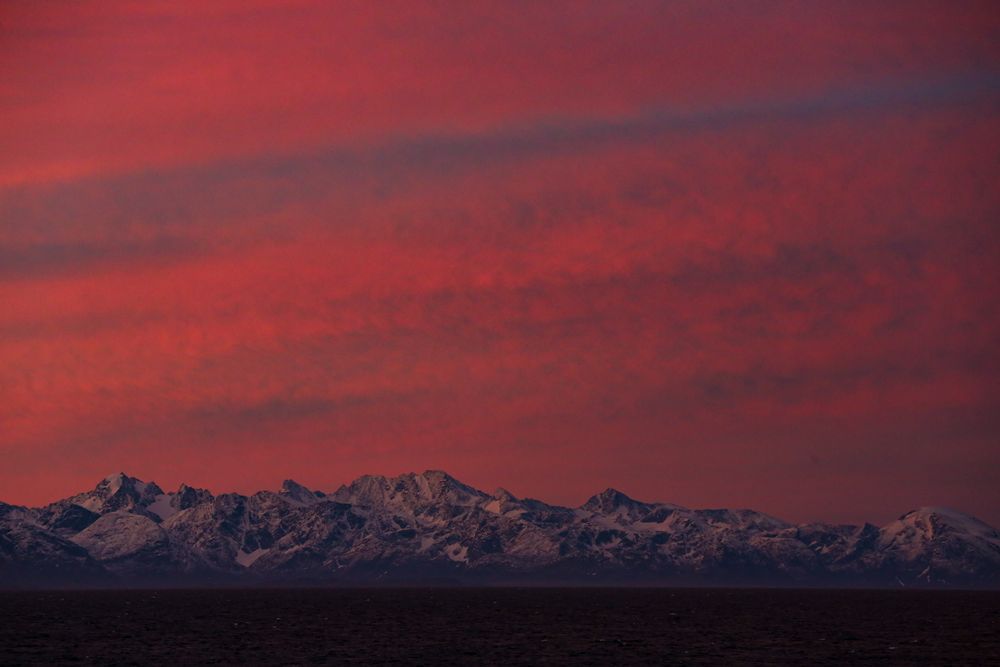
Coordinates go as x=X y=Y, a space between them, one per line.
x=500 y=626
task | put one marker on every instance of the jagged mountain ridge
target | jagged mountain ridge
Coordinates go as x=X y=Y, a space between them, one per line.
x=430 y=527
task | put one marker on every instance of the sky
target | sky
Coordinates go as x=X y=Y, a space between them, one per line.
x=711 y=253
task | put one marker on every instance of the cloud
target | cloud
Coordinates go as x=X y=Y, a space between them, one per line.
x=228 y=192
x=661 y=246
x=41 y=260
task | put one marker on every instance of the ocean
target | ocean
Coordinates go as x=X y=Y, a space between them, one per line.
x=508 y=626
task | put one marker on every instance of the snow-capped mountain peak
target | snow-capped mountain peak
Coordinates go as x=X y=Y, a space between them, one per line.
x=941 y=543
x=424 y=524
x=411 y=489
x=297 y=493
x=117 y=491
x=610 y=501
x=114 y=482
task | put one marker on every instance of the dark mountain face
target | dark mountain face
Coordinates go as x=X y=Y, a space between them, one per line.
x=31 y=555
x=430 y=527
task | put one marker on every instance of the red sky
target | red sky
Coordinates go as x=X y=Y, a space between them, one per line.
x=718 y=254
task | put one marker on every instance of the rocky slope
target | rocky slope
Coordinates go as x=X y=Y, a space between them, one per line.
x=431 y=528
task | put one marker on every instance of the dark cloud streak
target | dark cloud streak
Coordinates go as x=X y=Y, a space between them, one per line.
x=229 y=192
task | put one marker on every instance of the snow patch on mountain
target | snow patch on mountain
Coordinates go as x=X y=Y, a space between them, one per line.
x=247 y=559
x=162 y=506
x=457 y=553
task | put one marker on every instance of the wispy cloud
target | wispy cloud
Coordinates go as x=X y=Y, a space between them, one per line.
x=230 y=191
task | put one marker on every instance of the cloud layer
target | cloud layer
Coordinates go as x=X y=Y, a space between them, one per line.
x=714 y=254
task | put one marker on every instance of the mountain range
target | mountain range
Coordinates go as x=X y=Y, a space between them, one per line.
x=430 y=528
